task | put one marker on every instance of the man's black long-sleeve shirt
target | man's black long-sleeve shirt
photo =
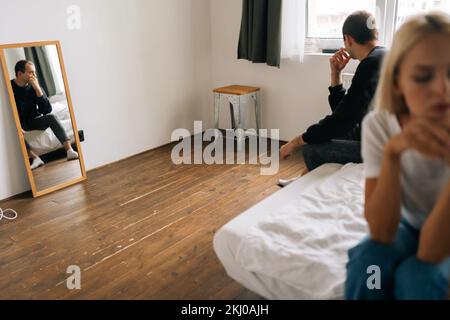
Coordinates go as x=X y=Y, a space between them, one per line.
x=29 y=105
x=349 y=108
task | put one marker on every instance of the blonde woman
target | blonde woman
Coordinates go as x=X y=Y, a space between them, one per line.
x=406 y=153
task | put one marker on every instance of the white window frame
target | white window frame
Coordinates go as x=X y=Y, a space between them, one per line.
x=386 y=15
x=389 y=11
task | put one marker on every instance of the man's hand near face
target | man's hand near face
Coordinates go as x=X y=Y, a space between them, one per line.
x=35 y=84
x=337 y=63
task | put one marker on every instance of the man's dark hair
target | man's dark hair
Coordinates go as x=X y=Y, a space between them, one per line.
x=361 y=26
x=21 y=66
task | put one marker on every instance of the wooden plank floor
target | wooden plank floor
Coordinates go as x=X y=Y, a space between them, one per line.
x=56 y=172
x=141 y=228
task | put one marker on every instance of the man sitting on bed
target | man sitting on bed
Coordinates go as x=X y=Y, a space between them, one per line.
x=34 y=108
x=337 y=137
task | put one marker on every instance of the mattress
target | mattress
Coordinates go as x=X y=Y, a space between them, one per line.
x=293 y=244
x=43 y=142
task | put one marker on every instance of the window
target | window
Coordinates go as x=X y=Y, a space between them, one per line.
x=324 y=20
x=325 y=17
x=406 y=8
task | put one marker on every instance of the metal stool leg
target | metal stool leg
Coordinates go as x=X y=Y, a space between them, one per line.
x=233 y=120
x=258 y=112
x=216 y=109
x=234 y=104
x=240 y=126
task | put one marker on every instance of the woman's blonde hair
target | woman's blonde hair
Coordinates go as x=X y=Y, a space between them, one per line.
x=409 y=34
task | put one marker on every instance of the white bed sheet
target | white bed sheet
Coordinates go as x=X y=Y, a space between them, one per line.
x=43 y=142
x=293 y=245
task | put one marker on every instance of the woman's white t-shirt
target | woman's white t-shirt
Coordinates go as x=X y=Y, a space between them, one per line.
x=422 y=179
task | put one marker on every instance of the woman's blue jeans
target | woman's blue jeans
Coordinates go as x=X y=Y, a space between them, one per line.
x=402 y=276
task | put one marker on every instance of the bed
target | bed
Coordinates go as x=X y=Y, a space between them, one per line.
x=293 y=245
x=44 y=142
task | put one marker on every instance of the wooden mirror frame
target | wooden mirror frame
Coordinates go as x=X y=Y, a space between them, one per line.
x=38 y=193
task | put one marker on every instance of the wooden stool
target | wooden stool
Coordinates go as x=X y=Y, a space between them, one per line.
x=238 y=96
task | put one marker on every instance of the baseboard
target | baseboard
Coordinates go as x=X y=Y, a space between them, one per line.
x=123 y=159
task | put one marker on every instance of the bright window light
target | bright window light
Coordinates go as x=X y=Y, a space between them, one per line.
x=326 y=17
x=407 y=8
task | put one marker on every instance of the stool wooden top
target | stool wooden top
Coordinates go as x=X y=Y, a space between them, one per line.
x=236 y=90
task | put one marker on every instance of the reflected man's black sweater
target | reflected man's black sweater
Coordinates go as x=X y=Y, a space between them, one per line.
x=29 y=105
x=349 y=108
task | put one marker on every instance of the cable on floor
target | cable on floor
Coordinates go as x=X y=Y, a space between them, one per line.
x=8 y=214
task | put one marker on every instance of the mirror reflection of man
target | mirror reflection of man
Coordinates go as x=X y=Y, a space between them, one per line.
x=35 y=109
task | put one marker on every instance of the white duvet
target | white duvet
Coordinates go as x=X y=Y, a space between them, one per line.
x=304 y=243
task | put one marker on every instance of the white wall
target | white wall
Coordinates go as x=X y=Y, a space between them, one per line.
x=137 y=69
x=293 y=97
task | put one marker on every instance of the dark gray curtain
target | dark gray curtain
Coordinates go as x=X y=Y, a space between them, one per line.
x=260 y=37
x=44 y=72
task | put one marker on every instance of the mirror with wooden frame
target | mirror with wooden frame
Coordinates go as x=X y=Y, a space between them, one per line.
x=42 y=109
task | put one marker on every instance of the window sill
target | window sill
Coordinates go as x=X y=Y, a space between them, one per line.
x=318 y=54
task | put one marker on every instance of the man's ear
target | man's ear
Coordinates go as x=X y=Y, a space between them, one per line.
x=348 y=39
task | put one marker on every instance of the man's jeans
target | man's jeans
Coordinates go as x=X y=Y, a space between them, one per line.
x=44 y=122
x=335 y=151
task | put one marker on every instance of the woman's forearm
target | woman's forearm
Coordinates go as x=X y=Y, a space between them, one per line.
x=434 y=244
x=382 y=208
